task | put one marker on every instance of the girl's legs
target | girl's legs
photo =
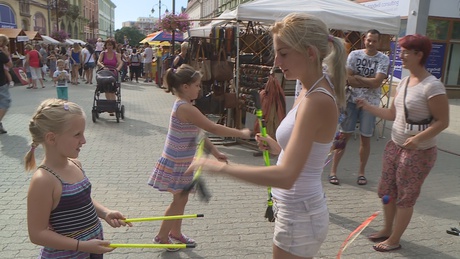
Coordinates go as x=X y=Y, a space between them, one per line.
x=177 y=207
x=33 y=73
x=90 y=75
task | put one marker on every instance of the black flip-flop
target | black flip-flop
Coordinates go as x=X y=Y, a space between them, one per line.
x=361 y=180
x=333 y=180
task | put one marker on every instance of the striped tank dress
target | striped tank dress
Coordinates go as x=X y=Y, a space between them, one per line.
x=75 y=217
x=178 y=153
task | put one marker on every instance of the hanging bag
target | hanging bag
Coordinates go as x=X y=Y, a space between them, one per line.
x=202 y=64
x=222 y=70
x=252 y=40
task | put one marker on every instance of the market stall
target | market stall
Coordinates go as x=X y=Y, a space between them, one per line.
x=253 y=43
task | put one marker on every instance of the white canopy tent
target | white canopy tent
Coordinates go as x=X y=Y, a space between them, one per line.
x=49 y=40
x=204 y=31
x=337 y=14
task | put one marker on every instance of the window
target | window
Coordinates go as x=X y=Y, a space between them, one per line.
x=437 y=29
x=456 y=31
x=453 y=65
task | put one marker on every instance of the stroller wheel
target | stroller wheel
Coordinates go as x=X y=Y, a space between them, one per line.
x=122 y=112
x=117 y=115
x=94 y=115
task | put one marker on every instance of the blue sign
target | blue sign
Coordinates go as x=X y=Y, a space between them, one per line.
x=397 y=69
x=436 y=59
x=433 y=64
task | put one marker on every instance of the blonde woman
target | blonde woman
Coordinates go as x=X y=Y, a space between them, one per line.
x=75 y=62
x=303 y=139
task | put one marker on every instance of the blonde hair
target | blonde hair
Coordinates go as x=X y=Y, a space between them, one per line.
x=185 y=74
x=60 y=61
x=302 y=31
x=184 y=46
x=52 y=115
x=3 y=40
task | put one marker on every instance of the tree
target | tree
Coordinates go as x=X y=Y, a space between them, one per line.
x=133 y=34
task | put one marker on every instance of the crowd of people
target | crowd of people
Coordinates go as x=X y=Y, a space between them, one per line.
x=332 y=83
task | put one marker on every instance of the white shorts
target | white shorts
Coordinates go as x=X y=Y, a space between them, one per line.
x=36 y=72
x=301 y=227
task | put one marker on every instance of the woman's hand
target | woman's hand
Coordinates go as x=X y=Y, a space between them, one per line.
x=361 y=103
x=411 y=143
x=220 y=156
x=268 y=144
x=95 y=246
x=207 y=165
x=245 y=133
x=116 y=219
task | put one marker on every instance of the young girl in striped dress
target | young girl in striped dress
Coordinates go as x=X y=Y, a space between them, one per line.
x=61 y=215
x=185 y=124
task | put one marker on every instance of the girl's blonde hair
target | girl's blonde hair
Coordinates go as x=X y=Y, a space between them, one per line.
x=185 y=74
x=3 y=40
x=52 y=115
x=302 y=31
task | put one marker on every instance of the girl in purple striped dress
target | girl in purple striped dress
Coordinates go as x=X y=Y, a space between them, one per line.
x=180 y=146
x=61 y=215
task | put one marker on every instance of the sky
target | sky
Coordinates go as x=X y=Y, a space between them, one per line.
x=130 y=10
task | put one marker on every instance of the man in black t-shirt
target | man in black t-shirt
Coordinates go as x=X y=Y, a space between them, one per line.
x=5 y=99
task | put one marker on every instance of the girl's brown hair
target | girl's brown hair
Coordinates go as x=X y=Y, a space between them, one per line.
x=185 y=74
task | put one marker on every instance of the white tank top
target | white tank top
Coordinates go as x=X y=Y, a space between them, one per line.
x=308 y=184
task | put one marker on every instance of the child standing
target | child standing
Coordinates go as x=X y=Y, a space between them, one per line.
x=60 y=78
x=61 y=215
x=185 y=124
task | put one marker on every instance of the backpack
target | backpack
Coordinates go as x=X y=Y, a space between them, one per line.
x=137 y=62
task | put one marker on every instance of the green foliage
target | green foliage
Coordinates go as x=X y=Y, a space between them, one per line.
x=133 y=34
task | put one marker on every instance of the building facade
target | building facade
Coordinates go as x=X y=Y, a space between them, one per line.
x=106 y=18
x=26 y=15
x=90 y=19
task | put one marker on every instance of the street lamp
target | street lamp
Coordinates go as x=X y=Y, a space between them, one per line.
x=159 y=9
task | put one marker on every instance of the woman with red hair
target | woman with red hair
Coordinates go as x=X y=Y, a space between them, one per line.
x=420 y=111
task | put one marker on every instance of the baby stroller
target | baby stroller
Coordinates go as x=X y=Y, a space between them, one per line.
x=108 y=80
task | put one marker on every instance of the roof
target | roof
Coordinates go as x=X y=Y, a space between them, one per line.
x=12 y=33
x=33 y=35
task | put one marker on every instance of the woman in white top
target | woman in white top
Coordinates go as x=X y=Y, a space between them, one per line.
x=411 y=152
x=89 y=63
x=305 y=136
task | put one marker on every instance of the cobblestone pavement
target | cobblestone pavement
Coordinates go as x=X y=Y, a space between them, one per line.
x=118 y=158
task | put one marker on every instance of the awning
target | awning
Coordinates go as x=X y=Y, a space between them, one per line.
x=49 y=40
x=33 y=35
x=17 y=34
x=79 y=41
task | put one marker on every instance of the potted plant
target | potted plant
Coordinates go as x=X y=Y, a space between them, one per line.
x=175 y=22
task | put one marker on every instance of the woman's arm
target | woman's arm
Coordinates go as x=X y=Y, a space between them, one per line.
x=384 y=113
x=189 y=113
x=119 y=62
x=101 y=59
x=309 y=124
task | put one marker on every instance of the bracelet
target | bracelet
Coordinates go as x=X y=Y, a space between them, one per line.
x=78 y=243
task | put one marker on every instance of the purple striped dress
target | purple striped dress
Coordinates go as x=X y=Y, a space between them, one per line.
x=178 y=153
x=75 y=217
